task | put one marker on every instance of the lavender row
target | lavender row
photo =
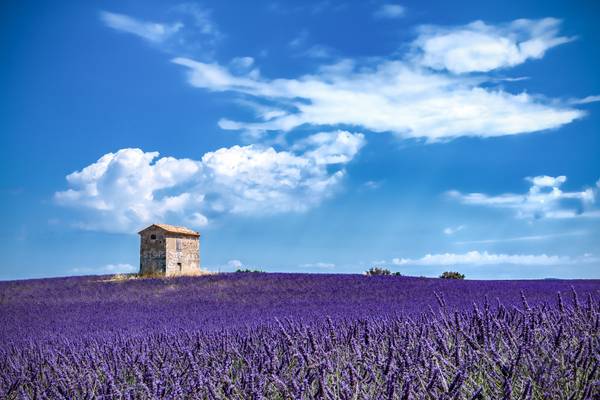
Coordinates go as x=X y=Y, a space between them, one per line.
x=525 y=352
x=86 y=306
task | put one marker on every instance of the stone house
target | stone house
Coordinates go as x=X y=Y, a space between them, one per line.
x=169 y=250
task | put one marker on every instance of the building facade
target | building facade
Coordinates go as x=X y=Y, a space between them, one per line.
x=169 y=250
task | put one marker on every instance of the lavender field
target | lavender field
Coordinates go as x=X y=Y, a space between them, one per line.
x=295 y=336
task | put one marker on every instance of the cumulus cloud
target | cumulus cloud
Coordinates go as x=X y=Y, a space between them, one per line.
x=326 y=148
x=124 y=190
x=390 y=10
x=479 y=47
x=544 y=199
x=408 y=97
x=485 y=258
x=122 y=187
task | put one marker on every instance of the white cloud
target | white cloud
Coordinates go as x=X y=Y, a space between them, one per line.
x=326 y=148
x=372 y=185
x=301 y=47
x=485 y=258
x=451 y=231
x=234 y=264
x=191 y=32
x=389 y=10
x=319 y=265
x=544 y=199
x=478 y=47
x=306 y=7
x=200 y=17
x=398 y=96
x=413 y=96
x=523 y=238
x=318 y=51
x=125 y=190
x=299 y=40
x=106 y=269
x=151 y=31
x=242 y=63
x=122 y=188
x=585 y=100
x=547 y=181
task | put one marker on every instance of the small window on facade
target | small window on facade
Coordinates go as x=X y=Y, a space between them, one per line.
x=178 y=244
x=153 y=237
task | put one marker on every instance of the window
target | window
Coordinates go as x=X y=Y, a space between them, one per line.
x=179 y=266
x=153 y=237
x=178 y=244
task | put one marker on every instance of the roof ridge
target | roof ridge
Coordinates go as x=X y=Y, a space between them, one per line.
x=173 y=228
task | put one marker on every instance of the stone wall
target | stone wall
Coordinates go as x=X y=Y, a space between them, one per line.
x=152 y=252
x=183 y=254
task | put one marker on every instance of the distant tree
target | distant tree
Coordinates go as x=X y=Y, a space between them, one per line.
x=373 y=271
x=397 y=273
x=452 y=275
x=257 y=271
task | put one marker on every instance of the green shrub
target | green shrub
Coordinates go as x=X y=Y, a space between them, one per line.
x=452 y=275
x=373 y=271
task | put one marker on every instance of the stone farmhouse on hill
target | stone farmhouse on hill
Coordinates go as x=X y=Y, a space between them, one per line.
x=169 y=250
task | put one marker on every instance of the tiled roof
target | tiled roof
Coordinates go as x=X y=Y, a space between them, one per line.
x=173 y=229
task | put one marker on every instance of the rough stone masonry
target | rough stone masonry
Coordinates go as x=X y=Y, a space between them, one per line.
x=169 y=250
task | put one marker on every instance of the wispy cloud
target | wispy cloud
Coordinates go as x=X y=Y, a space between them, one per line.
x=388 y=95
x=124 y=190
x=417 y=96
x=301 y=47
x=310 y=7
x=372 y=185
x=479 y=47
x=300 y=39
x=191 y=32
x=318 y=265
x=151 y=31
x=585 y=100
x=544 y=199
x=452 y=230
x=523 y=238
x=234 y=264
x=390 y=10
x=105 y=269
x=319 y=51
x=392 y=97
x=485 y=258
x=231 y=266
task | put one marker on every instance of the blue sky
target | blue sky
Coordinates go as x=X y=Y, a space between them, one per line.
x=323 y=136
